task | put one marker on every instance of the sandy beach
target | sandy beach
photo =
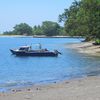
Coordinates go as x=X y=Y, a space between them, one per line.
x=87 y=88
x=86 y=47
x=78 y=89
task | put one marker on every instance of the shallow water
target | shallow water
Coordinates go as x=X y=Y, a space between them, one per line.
x=24 y=71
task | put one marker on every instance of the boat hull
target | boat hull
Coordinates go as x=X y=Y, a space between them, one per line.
x=27 y=53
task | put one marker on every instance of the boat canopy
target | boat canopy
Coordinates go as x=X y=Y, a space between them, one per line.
x=24 y=47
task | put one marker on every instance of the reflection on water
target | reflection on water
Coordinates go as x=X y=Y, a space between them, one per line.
x=24 y=71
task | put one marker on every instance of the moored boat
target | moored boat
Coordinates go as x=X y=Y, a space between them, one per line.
x=27 y=51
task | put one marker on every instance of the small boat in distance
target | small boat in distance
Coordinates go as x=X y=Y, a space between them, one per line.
x=27 y=51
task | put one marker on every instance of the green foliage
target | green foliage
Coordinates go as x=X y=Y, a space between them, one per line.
x=37 y=30
x=8 y=33
x=82 y=18
x=23 y=29
x=48 y=28
x=20 y=29
x=62 y=31
x=97 y=41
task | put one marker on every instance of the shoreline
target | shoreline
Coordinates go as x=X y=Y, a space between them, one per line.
x=22 y=36
x=85 y=48
x=87 y=88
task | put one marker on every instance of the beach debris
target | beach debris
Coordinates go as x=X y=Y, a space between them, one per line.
x=28 y=89
x=38 y=89
x=14 y=90
x=66 y=82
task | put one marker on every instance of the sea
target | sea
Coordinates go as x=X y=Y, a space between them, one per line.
x=16 y=72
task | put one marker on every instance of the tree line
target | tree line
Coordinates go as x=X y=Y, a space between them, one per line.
x=82 y=19
x=48 y=28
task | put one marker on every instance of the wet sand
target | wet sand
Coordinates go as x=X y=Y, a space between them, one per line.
x=78 y=89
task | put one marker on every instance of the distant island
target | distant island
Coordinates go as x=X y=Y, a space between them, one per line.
x=82 y=18
x=48 y=28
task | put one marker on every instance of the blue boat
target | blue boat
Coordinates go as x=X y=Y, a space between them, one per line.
x=27 y=51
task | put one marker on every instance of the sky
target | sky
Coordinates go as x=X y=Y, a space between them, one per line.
x=32 y=12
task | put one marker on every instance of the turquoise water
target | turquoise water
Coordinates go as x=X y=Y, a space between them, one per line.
x=25 y=71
